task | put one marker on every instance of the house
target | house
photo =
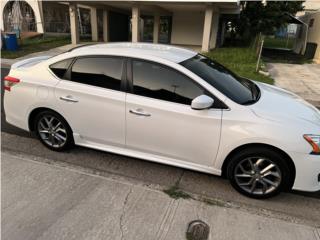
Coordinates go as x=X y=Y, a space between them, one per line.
x=308 y=32
x=199 y=24
x=311 y=30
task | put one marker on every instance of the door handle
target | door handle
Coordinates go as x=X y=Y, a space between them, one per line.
x=140 y=112
x=69 y=99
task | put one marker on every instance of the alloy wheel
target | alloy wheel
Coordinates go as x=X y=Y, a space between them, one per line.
x=52 y=131
x=257 y=175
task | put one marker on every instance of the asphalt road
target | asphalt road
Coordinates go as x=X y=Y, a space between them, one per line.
x=294 y=206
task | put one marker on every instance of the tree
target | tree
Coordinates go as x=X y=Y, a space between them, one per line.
x=257 y=17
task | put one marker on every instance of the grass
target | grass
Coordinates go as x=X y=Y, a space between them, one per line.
x=241 y=61
x=38 y=44
x=176 y=193
x=270 y=42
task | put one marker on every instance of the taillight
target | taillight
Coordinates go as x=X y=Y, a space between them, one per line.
x=9 y=82
x=314 y=141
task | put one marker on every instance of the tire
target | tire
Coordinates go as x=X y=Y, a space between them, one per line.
x=57 y=136
x=259 y=173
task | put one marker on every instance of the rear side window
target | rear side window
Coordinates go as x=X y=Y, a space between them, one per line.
x=60 y=68
x=103 y=72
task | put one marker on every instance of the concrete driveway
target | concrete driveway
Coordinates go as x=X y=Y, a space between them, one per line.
x=302 y=79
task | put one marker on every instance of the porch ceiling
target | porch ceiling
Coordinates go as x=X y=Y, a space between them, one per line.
x=163 y=7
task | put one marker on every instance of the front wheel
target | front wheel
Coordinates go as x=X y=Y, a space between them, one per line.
x=258 y=173
x=53 y=131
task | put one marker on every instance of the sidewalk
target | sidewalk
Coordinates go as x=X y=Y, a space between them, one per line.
x=302 y=79
x=43 y=201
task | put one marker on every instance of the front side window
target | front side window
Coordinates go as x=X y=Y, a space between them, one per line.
x=103 y=72
x=160 y=82
x=60 y=68
x=234 y=87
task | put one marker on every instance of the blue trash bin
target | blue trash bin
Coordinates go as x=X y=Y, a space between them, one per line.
x=11 y=41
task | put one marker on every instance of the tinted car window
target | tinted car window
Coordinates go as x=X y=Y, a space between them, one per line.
x=236 y=88
x=103 y=72
x=160 y=82
x=60 y=68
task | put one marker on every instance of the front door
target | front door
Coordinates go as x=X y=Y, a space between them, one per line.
x=160 y=121
x=91 y=100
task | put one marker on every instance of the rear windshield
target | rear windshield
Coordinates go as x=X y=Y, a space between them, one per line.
x=238 y=89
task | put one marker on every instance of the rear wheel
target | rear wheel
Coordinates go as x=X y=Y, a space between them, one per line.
x=259 y=173
x=53 y=131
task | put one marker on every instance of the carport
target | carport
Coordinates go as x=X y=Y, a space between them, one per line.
x=301 y=50
x=192 y=24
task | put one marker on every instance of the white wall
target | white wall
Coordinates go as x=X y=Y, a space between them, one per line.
x=313 y=34
x=311 y=5
x=187 y=28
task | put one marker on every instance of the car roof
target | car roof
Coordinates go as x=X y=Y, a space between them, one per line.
x=128 y=49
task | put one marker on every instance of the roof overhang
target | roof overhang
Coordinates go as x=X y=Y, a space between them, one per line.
x=293 y=19
x=165 y=7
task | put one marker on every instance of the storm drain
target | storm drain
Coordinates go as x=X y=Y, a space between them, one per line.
x=198 y=230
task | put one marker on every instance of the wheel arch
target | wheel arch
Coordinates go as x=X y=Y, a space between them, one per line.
x=38 y=110
x=285 y=156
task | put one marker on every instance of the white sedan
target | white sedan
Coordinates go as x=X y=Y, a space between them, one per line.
x=169 y=105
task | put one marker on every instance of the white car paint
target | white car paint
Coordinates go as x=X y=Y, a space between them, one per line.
x=201 y=141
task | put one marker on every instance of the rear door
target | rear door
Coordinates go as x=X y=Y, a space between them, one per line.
x=91 y=99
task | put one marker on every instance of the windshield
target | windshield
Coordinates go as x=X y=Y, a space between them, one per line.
x=238 y=89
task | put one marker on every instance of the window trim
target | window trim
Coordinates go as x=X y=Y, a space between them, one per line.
x=130 y=83
x=67 y=75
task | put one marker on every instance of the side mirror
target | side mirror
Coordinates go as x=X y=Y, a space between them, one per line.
x=202 y=102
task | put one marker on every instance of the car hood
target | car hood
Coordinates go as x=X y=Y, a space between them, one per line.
x=280 y=105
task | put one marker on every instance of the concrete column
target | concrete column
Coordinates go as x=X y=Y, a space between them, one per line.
x=223 y=31
x=135 y=23
x=207 y=29
x=94 y=24
x=1 y=17
x=74 y=23
x=105 y=26
x=40 y=26
x=156 y=28
x=214 y=29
